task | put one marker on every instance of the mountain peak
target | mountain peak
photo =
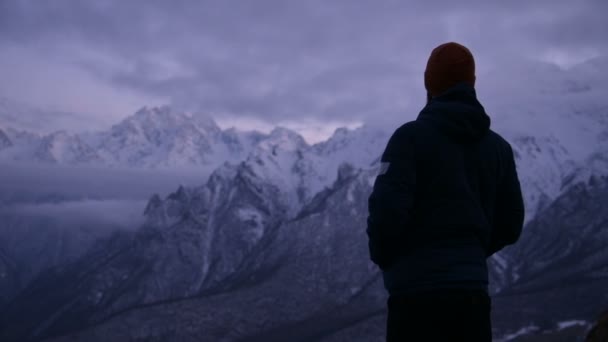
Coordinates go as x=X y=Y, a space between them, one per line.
x=161 y=136
x=165 y=118
x=147 y=115
x=285 y=139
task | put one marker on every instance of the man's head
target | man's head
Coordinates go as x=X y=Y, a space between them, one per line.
x=448 y=65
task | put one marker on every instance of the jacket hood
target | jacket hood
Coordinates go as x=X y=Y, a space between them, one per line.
x=458 y=114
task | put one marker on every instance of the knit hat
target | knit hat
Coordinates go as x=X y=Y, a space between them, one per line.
x=448 y=65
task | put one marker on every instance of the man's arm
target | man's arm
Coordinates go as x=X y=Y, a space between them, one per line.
x=509 y=217
x=391 y=201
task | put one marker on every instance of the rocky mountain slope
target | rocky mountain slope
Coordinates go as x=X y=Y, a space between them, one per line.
x=304 y=278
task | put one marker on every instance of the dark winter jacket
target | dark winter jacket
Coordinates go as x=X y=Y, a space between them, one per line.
x=446 y=198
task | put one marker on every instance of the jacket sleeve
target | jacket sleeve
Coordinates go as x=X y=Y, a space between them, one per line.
x=509 y=217
x=391 y=201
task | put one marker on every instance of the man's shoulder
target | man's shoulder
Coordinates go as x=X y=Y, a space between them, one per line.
x=408 y=129
x=499 y=140
x=401 y=140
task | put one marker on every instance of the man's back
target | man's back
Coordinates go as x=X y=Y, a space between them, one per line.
x=461 y=187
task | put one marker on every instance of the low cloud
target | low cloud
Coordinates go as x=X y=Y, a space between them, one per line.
x=111 y=214
x=67 y=198
x=42 y=183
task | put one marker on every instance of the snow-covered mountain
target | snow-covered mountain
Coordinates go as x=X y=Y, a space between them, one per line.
x=151 y=138
x=159 y=137
x=162 y=138
x=548 y=148
x=552 y=139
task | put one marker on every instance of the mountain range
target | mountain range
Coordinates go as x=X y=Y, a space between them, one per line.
x=272 y=245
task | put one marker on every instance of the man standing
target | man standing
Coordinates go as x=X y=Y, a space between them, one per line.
x=447 y=197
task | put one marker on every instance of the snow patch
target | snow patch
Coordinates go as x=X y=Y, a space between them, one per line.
x=254 y=218
x=573 y=323
x=521 y=332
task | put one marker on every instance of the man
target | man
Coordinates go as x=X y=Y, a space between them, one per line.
x=447 y=197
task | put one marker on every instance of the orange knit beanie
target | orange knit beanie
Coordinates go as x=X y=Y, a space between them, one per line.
x=448 y=65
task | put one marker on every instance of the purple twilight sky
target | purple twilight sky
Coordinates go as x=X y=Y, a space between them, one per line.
x=311 y=65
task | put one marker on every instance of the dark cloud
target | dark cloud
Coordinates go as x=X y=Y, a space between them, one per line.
x=277 y=60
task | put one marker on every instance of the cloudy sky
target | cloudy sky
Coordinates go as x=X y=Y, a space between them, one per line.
x=310 y=65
